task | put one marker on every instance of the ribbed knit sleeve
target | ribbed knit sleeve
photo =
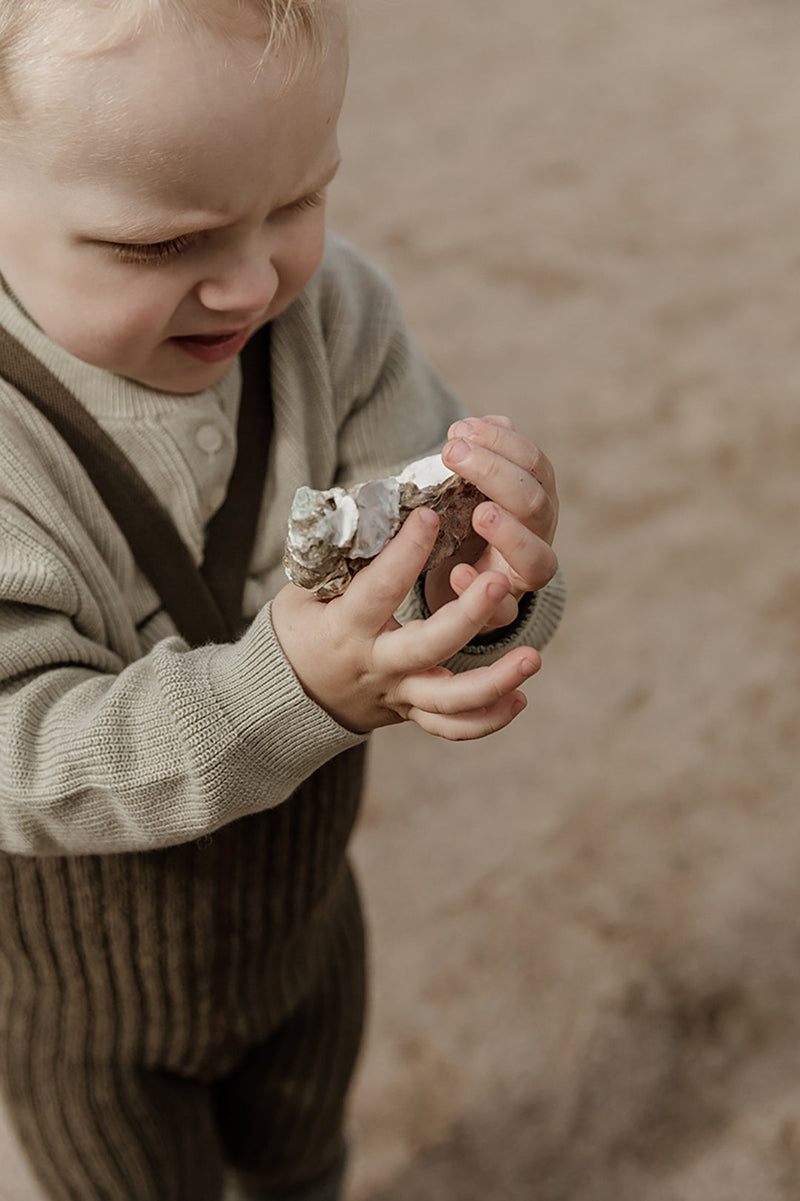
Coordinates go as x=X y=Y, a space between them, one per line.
x=114 y=735
x=102 y=756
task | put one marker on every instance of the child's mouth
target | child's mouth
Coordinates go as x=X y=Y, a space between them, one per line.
x=213 y=348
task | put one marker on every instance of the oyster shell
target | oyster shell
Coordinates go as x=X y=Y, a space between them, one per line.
x=334 y=533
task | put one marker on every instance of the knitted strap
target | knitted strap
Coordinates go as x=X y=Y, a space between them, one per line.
x=206 y=607
x=231 y=532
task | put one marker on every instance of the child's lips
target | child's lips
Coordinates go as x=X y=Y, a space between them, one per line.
x=213 y=348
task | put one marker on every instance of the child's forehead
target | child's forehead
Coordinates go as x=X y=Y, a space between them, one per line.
x=86 y=25
x=179 y=123
x=67 y=45
x=168 y=88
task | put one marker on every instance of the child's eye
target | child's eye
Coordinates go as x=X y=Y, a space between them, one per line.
x=312 y=201
x=150 y=252
x=155 y=253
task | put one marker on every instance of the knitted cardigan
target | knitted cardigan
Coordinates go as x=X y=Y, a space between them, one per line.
x=114 y=734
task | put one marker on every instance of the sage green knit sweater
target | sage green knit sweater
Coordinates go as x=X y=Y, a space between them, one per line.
x=114 y=735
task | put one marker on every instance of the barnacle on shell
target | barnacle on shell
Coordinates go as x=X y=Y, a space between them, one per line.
x=334 y=533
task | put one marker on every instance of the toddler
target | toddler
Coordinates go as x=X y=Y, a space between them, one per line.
x=181 y=731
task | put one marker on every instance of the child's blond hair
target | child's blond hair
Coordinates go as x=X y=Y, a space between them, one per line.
x=294 y=27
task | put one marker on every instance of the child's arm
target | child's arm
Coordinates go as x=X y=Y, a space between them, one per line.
x=105 y=748
x=101 y=755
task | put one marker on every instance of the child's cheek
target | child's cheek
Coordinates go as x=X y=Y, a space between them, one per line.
x=107 y=328
x=297 y=264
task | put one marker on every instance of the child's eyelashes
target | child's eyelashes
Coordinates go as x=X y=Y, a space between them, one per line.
x=311 y=201
x=150 y=252
x=155 y=253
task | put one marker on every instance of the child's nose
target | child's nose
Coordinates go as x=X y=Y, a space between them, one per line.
x=246 y=284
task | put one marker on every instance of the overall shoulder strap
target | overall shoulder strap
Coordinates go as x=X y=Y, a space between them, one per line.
x=231 y=532
x=204 y=604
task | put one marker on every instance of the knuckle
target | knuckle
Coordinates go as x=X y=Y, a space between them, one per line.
x=538 y=508
x=491 y=432
x=415 y=652
x=480 y=608
x=416 y=661
x=488 y=462
x=463 y=732
x=383 y=595
x=540 y=464
x=539 y=461
x=543 y=570
x=509 y=610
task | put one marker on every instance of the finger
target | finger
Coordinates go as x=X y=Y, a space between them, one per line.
x=475 y=724
x=506 y=482
x=440 y=691
x=378 y=589
x=499 y=419
x=530 y=560
x=422 y=644
x=498 y=434
x=462 y=576
x=494 y=419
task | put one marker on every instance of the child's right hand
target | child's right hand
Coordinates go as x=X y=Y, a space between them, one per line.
x=353 y=658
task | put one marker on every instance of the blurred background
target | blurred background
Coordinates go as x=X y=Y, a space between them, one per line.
x=586 y=930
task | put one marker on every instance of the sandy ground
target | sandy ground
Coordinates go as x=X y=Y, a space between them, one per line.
x=586 y=931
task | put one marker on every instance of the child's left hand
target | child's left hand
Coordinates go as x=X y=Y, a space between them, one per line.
x=514 y=528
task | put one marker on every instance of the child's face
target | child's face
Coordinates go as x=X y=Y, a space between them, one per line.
x=166 y=200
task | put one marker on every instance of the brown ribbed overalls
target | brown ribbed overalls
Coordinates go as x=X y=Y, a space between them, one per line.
x=167 y=1015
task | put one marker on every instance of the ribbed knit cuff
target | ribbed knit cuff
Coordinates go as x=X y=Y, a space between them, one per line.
x=264 y=701
x=536 y=622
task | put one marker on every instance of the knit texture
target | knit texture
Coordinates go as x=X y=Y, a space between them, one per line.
x=181 y=946
x=169 y=1015
x=116 y=735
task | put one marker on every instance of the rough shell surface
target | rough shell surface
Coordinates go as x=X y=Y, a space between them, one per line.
x=334 y=533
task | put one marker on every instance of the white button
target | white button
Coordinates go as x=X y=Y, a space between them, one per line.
x=209 y=438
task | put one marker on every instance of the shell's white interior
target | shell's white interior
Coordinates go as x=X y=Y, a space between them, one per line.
x=426 y=473
x=335 y=526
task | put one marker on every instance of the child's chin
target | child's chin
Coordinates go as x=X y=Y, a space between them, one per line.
x=184 y=379
x=170 y=369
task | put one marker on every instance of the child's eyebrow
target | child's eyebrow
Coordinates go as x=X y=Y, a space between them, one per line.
x=141 y=229
x=134 y=228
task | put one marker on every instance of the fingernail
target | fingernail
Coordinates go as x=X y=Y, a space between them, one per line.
x=428 y=517
x=518 y=706
x=460 y=430
x=527 y=667
x=456 y=452
x=496 y=590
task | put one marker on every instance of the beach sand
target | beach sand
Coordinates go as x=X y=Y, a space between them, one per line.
x=585 y=932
